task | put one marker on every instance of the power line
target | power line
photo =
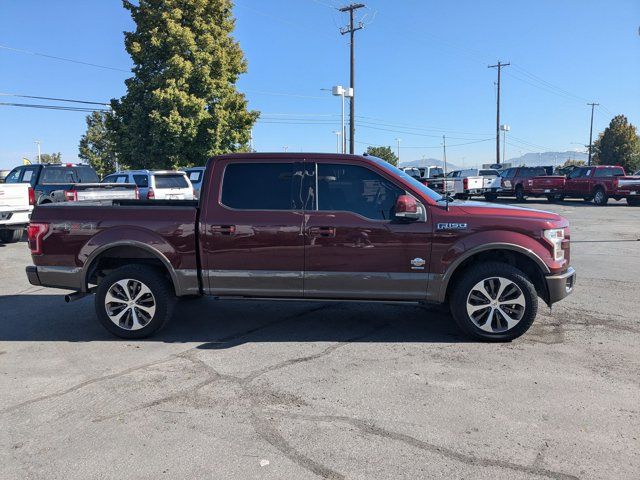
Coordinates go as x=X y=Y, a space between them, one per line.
x=70 y=60
x=53 y=99
x=53 y=107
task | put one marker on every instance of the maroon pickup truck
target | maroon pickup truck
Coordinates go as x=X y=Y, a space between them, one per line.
x=305 y=226
x=597 y=183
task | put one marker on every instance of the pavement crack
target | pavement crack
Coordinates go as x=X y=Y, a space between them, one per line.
x=371 y=429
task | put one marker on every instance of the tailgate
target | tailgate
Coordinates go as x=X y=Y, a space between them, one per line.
x=548 y=182
x=475 y=183
x=14 y=196
x=629 y=184
x=105 y=191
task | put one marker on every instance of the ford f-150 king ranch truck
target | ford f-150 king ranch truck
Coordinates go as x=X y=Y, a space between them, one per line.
x=304 y=226
x=68 y=182
x=597 y=183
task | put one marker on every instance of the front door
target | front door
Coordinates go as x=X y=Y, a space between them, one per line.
x=355 y=248
x=254 y=241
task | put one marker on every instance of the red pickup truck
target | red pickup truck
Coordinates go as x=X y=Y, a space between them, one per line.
x=304 y=226
x=513 y=182
x=597 y=183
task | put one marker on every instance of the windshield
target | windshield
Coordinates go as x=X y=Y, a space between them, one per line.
x=415 y=184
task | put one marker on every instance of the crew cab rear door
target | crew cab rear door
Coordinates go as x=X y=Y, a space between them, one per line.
x=252 y=230
x=578 y=182
x=355 y=248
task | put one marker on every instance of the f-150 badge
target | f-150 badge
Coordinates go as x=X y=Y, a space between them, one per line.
x=417 y=264
x=452 y=226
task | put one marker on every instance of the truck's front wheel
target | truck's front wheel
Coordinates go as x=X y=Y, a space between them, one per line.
x=134 y=301
x=494 y=302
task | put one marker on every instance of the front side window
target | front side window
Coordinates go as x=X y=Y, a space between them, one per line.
x=356 y=189
x=258 y=186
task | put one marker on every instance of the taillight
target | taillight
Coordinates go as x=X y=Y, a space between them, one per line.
x=35 y=233
x=151 y=194
x=137 y=194
x=32 y=196
x=465 y=183
x=71 y=195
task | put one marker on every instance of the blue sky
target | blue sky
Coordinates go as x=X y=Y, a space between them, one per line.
x=421 y=72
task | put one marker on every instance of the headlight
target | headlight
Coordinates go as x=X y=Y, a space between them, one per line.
x=555 y=236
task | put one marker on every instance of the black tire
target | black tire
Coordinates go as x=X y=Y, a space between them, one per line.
x=633 y=202
x=600 y=198
x=520 y=197
x=489 y=271
x=490 y=197
x=552 y=198
x=10 y=236
x=162 y=294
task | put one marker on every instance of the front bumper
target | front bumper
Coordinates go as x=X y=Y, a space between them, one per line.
x=561 y=285
x=69 y=278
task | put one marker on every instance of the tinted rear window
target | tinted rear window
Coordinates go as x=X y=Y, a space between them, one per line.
x=171 y=181
x=609 y=172
x=142 y=181
x=87 y=175
x=257 y=186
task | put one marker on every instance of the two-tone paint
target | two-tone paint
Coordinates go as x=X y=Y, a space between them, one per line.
x=306 y=253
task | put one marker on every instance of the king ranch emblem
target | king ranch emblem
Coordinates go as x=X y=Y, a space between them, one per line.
x=417 y=264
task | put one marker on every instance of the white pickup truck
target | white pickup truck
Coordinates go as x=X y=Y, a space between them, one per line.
x=16 y=204
x=467 y=183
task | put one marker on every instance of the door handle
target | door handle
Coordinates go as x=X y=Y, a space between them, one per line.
x=223 y=229
x=322 y=231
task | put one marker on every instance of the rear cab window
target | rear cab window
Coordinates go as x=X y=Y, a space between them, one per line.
x=170 y=180
x=258 y=186
x=609 y=172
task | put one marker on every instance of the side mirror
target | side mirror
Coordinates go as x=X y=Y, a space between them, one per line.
x=407 y=208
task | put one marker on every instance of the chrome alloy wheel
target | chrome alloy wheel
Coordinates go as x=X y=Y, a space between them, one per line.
x=496 y=304
x=130 y=304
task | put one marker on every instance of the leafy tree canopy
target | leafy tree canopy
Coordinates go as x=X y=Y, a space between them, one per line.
x=97 y=146
x=385 y=153
x=49 y=158
x=181 y=105
x=619 y=144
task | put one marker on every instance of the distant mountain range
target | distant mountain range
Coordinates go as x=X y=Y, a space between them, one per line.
x=528 y=159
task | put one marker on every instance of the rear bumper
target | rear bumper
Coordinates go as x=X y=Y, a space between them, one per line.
x=69 y=278
x=14 y=218
x=561 y=285
x=546 y=191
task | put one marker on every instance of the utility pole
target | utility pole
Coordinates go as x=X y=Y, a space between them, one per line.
x=351 y=29
x=593 y=105
x=398 y=140
x=499 y=66
x=337 y=134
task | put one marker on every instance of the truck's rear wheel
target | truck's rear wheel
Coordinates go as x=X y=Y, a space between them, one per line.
x=494 y=302
x=10 y=236
x=490 y=197
x=134 y=301
x=599 y=197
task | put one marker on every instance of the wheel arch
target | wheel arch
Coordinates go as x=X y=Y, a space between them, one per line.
x=122 y=253
x=520 y=257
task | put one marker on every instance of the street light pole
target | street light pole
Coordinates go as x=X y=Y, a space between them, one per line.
x=37 y=142
x=505 y=128
x=398 y=140
x=337 y=134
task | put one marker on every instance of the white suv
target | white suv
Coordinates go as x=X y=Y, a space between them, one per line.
x=156 y=184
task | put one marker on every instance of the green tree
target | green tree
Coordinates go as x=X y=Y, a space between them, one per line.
x=181 y=105
x=385 y=153
x=49 y=158
x=619 y=144
x=97 y=146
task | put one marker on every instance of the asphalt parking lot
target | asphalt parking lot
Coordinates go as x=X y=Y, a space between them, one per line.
x=291 y=390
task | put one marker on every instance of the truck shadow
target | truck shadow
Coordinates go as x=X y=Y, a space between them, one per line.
x=221 y=324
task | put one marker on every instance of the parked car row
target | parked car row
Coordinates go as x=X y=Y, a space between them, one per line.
x=597 y=183
x=29 y=185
